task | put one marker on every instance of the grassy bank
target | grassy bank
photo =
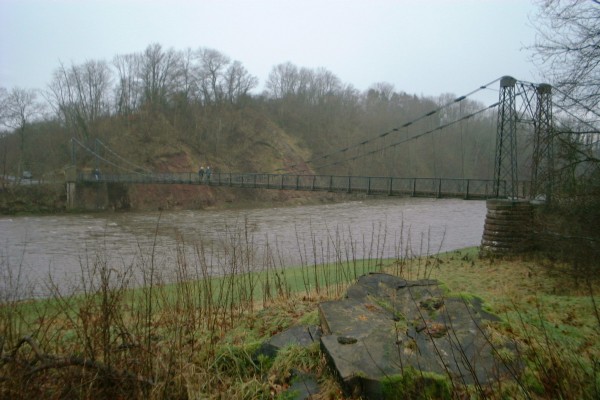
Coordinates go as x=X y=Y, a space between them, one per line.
x=196 y=338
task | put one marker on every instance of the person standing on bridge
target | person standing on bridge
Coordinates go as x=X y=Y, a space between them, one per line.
x=208 y=173
x=201 y=173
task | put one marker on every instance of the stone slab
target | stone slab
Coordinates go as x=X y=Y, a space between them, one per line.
x=386 y=325
x=299 y=335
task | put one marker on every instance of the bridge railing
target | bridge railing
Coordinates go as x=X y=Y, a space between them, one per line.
x=416 y=187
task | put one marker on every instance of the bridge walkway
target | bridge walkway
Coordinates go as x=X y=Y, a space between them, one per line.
x=371 y=185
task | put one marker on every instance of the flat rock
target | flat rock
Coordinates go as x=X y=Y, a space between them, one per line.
x=299 y=335
x=387 y=325
x=303 y=385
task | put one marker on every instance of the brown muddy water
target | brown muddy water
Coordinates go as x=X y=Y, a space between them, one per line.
x=39 y=253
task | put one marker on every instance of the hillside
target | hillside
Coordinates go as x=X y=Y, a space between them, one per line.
x=158 y=110
x=245 y=141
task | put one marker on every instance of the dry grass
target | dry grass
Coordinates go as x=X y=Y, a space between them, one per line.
x=196 y=338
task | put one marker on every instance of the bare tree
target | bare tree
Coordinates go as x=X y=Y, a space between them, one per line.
x=186 y=84
x=3 y=105
x=325 y=84
x=567 y=48
x=79 y=95
x=4 y=148
x=283 y=80
x=211 y=72
x=20 y=108
x=127 y=90
x=238 y=82
x=385 y=90
x=303 y=82
x=158 y=74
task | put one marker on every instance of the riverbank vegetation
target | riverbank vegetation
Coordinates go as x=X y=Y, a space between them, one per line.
x=33 y=199
x=196 y=336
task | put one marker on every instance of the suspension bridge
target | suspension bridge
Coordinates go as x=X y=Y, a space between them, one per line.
x=521 y=106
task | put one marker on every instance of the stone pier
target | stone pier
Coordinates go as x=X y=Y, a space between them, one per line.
x=508 y=227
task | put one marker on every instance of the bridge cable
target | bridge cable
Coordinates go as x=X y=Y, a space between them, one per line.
x=462 y=146
x=122 y=159
x=92 y=152
x=584 y=122
x=407 y=124
x=444 y=126
x=397 y=129
x=575 y=101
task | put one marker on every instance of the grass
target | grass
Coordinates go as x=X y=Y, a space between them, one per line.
x=551 y=313
x=417 y=385
x=196 y=338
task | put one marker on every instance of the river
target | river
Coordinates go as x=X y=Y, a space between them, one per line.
x=39 y=254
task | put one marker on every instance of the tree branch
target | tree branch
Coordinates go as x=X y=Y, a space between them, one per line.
x=48 y=361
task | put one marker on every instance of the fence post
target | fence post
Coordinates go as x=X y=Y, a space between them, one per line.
x=313 y=183
x=467 y=194
x=349 y=184
x=369 y=186
x=414 y=191
x=439 y=191
x=331 y=183
x=390 y=186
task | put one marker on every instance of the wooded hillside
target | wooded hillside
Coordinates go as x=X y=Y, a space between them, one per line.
x=171 y=110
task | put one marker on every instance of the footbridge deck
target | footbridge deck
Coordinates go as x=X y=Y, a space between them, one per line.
x=390 y=186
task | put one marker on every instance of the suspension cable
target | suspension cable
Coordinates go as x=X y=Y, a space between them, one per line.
x=574 y=116
x=397 y=129
x=92 y=152
x=444 y=126
x=575 y=101
x=121 y=158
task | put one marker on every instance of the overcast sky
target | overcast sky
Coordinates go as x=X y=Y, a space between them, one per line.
x=422 y=47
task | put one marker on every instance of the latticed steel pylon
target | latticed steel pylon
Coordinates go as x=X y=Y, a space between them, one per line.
x=515 y=106
x=543 y=150
x=505 y=165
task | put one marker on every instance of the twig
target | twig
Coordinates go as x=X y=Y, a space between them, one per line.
x=49 y=361
x=72 y=361
x=594 y=302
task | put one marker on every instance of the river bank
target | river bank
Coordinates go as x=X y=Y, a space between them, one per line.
x=42 y=199
x=33 y=199
x=178 y=302
x=198 y=338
